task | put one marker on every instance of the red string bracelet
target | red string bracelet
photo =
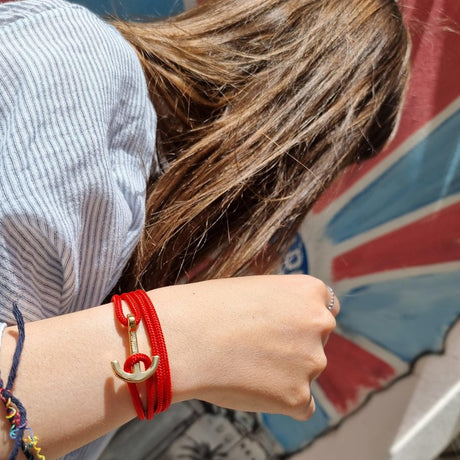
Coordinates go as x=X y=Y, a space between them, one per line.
x=156 y=374
x=163 y=375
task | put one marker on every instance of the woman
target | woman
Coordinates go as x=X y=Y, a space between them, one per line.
x=260 y=105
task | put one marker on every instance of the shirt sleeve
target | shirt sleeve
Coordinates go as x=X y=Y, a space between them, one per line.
x=77 y=143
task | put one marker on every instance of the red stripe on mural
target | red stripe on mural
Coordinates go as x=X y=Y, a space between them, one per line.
x=434 y=84
x=431 y=240
x=344 y=384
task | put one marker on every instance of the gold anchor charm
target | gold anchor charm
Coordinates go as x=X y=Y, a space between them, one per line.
x=137 y=376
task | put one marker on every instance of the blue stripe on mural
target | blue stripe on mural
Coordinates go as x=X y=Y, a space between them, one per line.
x=406 y=316
x=291 y=434
x=133 y=9
x=427 y=173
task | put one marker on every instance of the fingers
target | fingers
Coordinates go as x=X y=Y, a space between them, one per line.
x=317 y=324
x=306 y=408
x=305 y=411
x=322 y=291
x=310 y=410
x=300 y=403
x=332 y=301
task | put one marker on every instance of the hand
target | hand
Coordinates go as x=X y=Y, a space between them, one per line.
x=254 y=343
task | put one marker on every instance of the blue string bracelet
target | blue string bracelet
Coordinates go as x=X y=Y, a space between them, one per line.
x=15 y=411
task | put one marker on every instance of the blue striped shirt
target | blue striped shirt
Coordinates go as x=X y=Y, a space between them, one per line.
x=77 y=142
x=77 y=138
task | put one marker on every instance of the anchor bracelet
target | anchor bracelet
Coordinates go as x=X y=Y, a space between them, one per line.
x=156 y=374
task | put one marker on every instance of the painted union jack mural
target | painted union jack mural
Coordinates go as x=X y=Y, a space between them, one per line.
x=387 y=237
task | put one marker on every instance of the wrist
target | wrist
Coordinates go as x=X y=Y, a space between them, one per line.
x=182 y=343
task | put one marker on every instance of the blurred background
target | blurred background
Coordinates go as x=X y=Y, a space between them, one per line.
x=140 y=9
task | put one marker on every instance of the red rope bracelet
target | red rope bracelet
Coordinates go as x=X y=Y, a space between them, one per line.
x=157 y=374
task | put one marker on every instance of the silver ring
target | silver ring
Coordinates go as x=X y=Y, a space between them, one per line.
x=330 y=307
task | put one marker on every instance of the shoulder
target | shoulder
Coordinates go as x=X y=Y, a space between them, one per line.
x=19 y=13
x=32 y=17
x=63 y=69
x=25 y=10
x=58 y=33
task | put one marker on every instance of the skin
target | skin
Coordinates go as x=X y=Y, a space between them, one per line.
x=252 y=343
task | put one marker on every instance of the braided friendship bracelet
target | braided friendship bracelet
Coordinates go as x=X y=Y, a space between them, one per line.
x=15 y=411
x=156 y=374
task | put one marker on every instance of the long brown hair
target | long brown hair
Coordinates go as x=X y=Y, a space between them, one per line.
x=261 y=103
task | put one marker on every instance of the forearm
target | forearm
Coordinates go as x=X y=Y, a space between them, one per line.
x=65 y=379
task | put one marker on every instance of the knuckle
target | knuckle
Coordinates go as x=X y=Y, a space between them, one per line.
x=320 y=363
x=330 y=324
x=324 y=322
x=305 y=414
x=317 y=284
x=306 y=411
x=298 y=399
x=309 y=282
